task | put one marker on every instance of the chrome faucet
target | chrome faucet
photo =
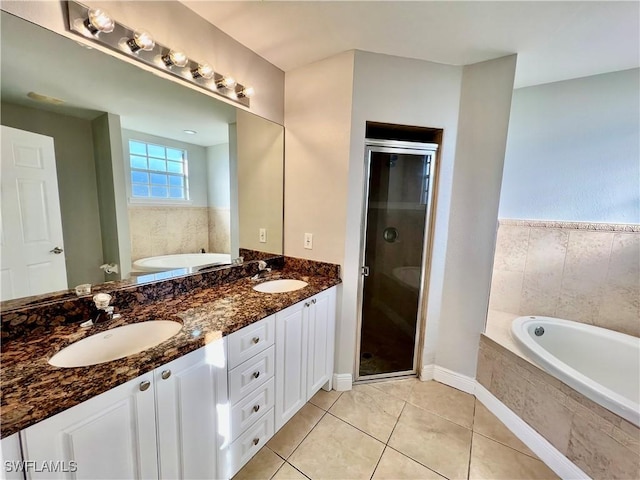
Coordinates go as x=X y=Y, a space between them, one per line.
x=262 y=270
x=105 y=311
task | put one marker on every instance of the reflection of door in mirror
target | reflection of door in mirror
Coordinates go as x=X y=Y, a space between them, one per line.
x=31 y=249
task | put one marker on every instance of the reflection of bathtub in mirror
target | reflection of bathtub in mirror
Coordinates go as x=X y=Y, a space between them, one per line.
x=162 y=263
x=409 y=276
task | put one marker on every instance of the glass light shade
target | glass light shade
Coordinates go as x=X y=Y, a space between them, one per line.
x=178 y=58
x=247 y=92
x=228 y=82
x=100 y=21
x=204 y=70
x=144 y=40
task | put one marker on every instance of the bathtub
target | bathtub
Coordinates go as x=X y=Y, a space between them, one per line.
x=184 y=260
x=601 y=364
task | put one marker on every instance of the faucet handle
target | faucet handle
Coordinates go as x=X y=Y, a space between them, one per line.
x=262 y=265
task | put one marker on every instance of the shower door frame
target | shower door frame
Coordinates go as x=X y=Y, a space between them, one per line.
x=411 y=148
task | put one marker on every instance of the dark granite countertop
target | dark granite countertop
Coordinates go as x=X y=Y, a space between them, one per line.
x=33 y=390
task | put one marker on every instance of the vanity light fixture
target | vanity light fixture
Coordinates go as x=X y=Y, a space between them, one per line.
x=204 y=70
x=226 y=82
x=98 y=21
x=190 y=132
x=175 y=57
x=141 y=40
x=247 y=92
x=139 y=45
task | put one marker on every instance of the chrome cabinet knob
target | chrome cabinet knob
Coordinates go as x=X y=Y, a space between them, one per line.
x=256 y=374
x=145 y=385
x=256 y=408
x=255 y=339
x=166 y=374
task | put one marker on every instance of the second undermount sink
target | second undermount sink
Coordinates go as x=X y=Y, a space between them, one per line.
x=280 y=286
x=115 y=343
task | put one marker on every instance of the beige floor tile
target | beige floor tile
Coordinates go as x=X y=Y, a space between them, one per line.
x=487 y=424
x=445 y=401
x=395 y=466
x=336 y=450
x=370 y=410
x=263 y=465
x=287 y=472
x=398 y=388
x=324 y=399
x=433 y=441
x=493 y=461
x=286 y=440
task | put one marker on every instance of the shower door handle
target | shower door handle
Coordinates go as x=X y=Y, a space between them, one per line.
x=365 y=270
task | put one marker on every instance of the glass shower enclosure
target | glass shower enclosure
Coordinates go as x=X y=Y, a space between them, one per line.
x=395 y=235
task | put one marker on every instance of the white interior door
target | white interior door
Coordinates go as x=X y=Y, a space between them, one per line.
x=32 y=259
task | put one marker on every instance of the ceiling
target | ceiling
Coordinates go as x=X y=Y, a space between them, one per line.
x=91 y=83
x=554 y=40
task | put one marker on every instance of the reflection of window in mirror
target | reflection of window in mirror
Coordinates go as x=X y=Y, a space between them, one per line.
x=158 y=172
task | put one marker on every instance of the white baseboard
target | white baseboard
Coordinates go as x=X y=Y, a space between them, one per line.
x=555 y=460
x=426 y=373
x=455 y=380
x=342 y=382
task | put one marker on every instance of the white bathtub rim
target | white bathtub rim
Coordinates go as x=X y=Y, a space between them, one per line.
x=190 y=260
x=600 y=394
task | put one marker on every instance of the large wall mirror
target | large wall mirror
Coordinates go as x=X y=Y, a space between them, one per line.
x=137 y=166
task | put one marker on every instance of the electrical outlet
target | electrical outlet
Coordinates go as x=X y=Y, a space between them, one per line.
x=308 y=241
x=263 y=235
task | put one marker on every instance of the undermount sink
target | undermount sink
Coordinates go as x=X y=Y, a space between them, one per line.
x=280 y=286
x=116 y=343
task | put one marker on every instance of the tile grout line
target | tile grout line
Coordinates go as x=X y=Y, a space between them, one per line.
x=473 y=424
x=378 y=462
x=417 y=461
x=304 y=438
x=297 y=469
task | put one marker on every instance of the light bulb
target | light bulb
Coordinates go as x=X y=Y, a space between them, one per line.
x=175 y=57
x=247 y=92
x=141 y=41
x=99 y=21
x=204 y=70
x=226 y=82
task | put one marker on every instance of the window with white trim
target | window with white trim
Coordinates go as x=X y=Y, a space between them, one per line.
x=158 y=172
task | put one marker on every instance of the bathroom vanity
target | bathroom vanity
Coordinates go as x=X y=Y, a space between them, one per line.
x=236 y=376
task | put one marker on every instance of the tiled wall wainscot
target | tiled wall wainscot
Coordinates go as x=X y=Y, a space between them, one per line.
x=585 y=272
x=168 y=230
x=603 y=445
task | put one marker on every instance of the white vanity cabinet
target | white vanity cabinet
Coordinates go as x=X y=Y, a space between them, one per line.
x=251 y=358
x=304 y=352
x=162 y=424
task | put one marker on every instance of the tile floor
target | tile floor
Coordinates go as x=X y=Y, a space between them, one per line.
x=402 y=429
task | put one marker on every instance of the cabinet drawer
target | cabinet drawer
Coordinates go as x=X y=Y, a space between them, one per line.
x=245 y=447
x=247 y=342
x=249 y=410
x=248 y=376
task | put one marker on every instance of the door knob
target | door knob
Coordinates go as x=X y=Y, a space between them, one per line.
x=56 y=250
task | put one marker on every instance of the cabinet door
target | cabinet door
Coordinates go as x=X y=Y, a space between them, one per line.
x=188 y=392
x=321 y=323
x=109 y=436
x=291 y=362
x=11 y=458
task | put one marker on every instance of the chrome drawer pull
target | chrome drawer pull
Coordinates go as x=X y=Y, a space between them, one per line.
x=166 y=374
x=256 y=408
x=255 y=339
x=256 y=374
x=144 y=385
x=256 y=441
